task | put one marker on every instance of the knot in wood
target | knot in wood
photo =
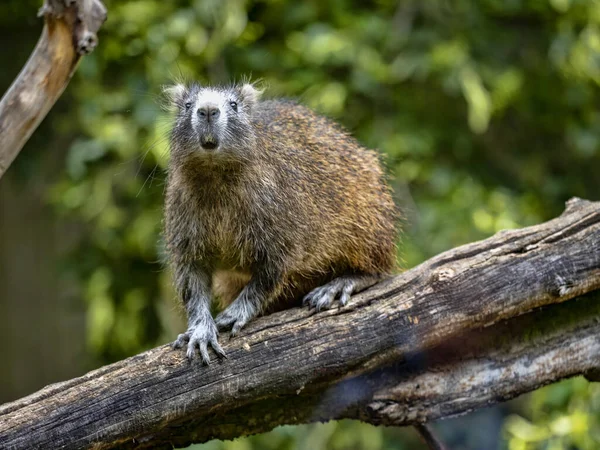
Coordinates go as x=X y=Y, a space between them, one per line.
x=443 y=274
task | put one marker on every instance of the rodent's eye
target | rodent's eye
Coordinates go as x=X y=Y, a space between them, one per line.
x=233 y=105
x=188 y=105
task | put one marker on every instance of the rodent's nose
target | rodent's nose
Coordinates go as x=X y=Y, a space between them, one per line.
x=209 y=113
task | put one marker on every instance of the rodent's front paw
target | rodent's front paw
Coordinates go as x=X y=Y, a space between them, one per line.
x=182 y=340
x=236 y=316
x=199 y=337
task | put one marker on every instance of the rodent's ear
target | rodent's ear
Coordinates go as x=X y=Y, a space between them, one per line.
x=249 y=95
x=174 y=94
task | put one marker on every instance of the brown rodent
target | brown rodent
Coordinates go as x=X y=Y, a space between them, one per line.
x=268 y=203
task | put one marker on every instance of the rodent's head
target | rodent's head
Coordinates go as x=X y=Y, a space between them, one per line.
x=212 y=122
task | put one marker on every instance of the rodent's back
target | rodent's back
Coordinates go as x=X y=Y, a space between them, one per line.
x=332 y=190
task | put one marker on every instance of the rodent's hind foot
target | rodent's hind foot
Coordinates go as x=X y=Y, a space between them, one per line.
x=236 y=315
x=198 y=338
x=342 y=287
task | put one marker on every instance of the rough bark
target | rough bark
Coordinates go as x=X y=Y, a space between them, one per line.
x=473 y=326
x=69 y=32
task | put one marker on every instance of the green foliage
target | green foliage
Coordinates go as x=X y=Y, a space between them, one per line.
x=561 y=416
x=487 y=112
x=342 y=435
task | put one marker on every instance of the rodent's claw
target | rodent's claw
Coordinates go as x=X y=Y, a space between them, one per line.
x=201 y=346
x=181 y=340
x=237 y=327
x=347 y=291
x=320 y=298
x=226 y=322
x=199 y=338
x=323 y=296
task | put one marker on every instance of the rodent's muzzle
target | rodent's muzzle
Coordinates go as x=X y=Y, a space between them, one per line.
x=208 y=119
x=209 y=141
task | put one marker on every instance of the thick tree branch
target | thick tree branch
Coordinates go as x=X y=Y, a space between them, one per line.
x=441 y=339
x=69 y=32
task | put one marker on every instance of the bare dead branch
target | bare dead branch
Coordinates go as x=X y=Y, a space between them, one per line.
x=69 y=32
x=473 y=326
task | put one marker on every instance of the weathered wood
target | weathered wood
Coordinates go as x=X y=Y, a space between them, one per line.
x=69 y=32
x=414 y=348
x=469 y=371
x=484 y=367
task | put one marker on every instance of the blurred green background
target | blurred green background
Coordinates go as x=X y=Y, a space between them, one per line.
x=486 y=110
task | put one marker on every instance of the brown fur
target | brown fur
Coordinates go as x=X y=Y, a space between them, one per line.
x=308 y=199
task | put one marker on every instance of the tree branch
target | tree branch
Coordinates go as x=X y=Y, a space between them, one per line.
x=460 y=331
x=69 y=32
